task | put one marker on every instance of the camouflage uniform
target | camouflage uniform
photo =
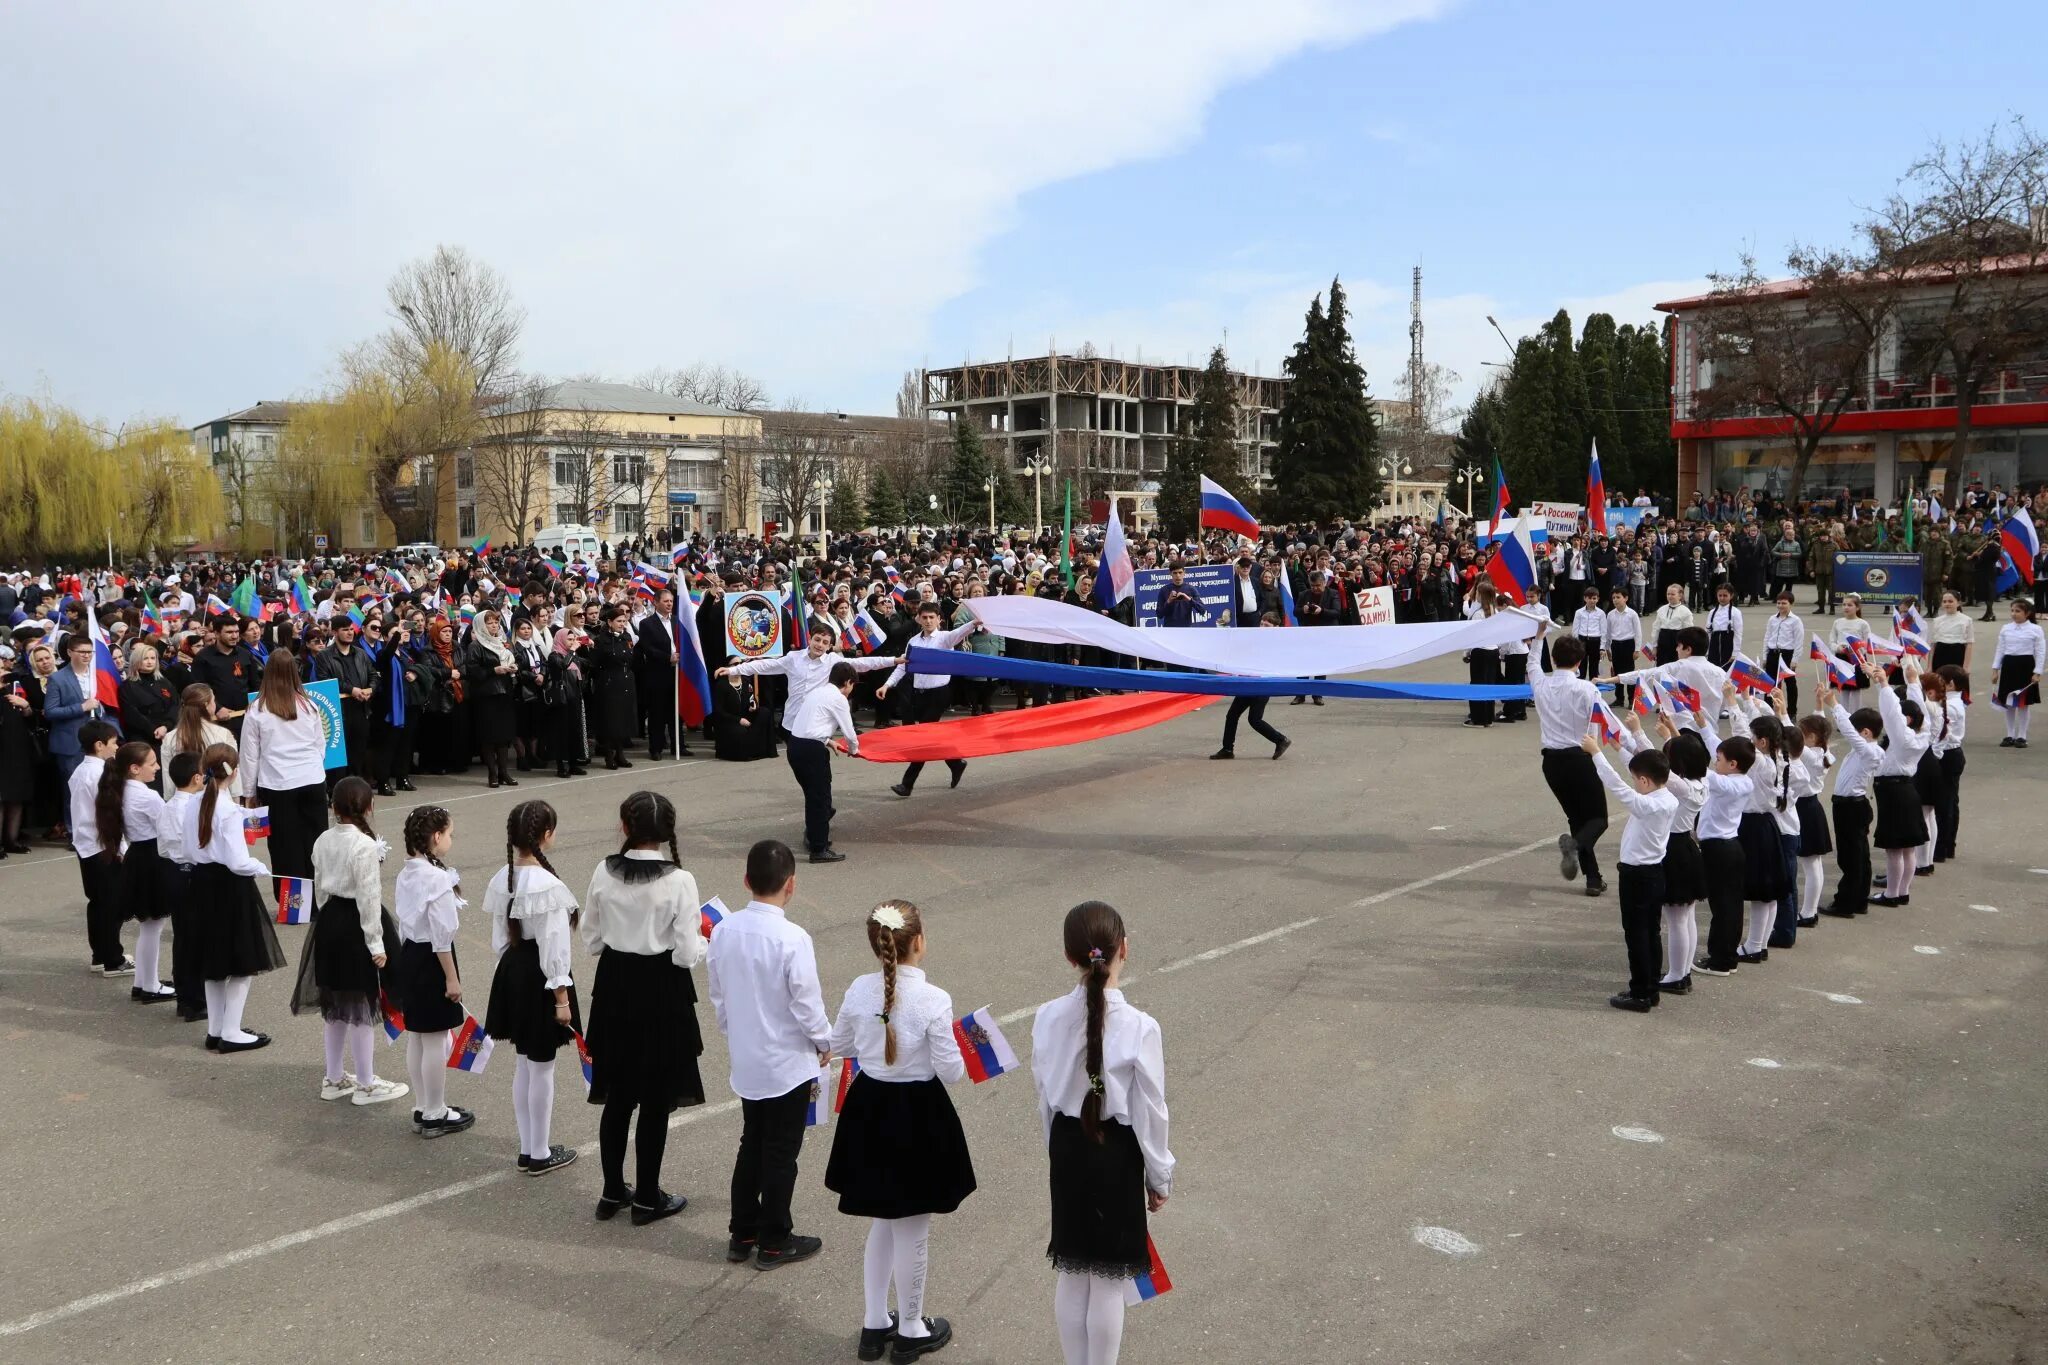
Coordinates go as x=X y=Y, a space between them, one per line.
x=1934 y=565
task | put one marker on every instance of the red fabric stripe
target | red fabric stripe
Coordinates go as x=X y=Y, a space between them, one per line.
x=1016 y=732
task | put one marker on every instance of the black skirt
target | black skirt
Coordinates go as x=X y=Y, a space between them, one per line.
x=1899 y=822
x=1814 y=840
x=1763 y=857
x=141 y=882
x=423 y=990
x=1098 y=1201
x=1928 y=779
x=1667 y=647
x=1685 y=879
x=493 y=720
x=2013 y=670
x=235 y=935
x=1945 y=655
x=643 y=1036
x=522 y=1008
x=337 y=975
x=898 y=1150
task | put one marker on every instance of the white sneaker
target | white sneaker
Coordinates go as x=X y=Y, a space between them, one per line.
x=337 y=1090
x=378 y=1091
x=127 y=968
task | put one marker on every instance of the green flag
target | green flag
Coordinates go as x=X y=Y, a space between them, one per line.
x=243 y=599
x=1067 y=539
x=1909 y=521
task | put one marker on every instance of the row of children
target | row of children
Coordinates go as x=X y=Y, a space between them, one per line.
x=899 y=1154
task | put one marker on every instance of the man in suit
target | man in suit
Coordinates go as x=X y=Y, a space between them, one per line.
x=1320 y=605
x=654 y=661
x=70 y=699
x=1249 y=599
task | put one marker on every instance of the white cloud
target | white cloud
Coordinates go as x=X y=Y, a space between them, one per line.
x=791 y=189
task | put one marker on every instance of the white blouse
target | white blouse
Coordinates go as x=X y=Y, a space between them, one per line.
x=922 y=1019
x=171 y=840
x=210 y=735
x=2021 y=641
x=349 y=863
x=1844 y=627
x=140 y=806
x=1133 y=1073
x=1950 y=628
x=542 y=905
x=424 y=902
x=659 y=915
x=1903 y=744
x=224 y=842
x=282 y=755
x=1948 y=729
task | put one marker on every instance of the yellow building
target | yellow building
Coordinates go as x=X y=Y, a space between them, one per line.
x=622 y=460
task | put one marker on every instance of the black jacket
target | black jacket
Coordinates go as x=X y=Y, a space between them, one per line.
x=352 y=670
x=232 y=676
x=654 y=652
x=146 y=704
x=480 y=676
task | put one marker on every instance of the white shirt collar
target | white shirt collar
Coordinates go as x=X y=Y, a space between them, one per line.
x=765 y=908
x=652 y=855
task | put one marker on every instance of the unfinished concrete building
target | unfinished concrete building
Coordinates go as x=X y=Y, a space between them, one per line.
x=1107 y=423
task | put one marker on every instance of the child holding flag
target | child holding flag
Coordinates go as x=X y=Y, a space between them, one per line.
x=1721 y=857
x=641 y=916
x=429 y=977
x=1644 y=842
x=533 y=1000
x=127 y=809
x=236 y=940
x=1100 y=1069
x=174 y=863
x=342 y=968
x=1685 y=754
x=899 y=1155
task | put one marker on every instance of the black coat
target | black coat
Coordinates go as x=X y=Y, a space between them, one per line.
x=613 y=696
x=711 y=632
x=480 y=676
x=146 y=704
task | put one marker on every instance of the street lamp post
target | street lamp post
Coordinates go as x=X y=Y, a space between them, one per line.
x=1468 y=477
x=988 y=486
x=824 y=505
x=1037 y=467
x=1389 y=470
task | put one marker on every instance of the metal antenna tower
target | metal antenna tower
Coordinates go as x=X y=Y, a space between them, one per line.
x=1416 y=374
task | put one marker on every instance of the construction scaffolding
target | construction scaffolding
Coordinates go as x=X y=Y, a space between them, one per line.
x=1097 y=420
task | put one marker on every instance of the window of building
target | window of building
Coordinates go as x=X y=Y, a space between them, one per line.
x=565 y=471
x=566 y=512
x=266 y=445
x=465 y=522
x=629 y=470
x=465 y=471
x=629 y=519
x=369 y=529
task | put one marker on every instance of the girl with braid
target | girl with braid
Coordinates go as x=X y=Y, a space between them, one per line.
x=641 y=916
x=533 y=999
x=342 y=969
x=426 y=903
x=1100 y=1069
x=898 y=1155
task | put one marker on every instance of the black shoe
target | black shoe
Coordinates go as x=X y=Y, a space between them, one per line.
x=795 y=1249
x=383 y=789
x=405 y=785
x=875 y=1340
x=1299 y=701
x=1316 y=700
x=1708 y=969
x=2006 y=743
x=1890 y=901
x=739 y=1249
x=910 y=1348
x=561 y=770
x=259 y=1040
x=1836 y=912
x=1567 y=858
x=1779 y=941
x=828 y=855
x=624 y=762
x=900 y=789
x=664 y=1206
x=191 y=1014
x=1635 y=1003
x=1761 y=955
x=1223 y=753
x=958 y=773
x=155 y=997
x=1282 y=747
x=454 y=1121
x=1807 y=923
x=492 y=784
x=683 y=752
x=212 y=1043
x=610 y=763
x=16 y=846
x=1682 y=986
x=2019 y=744
x=578 y=770
x=526 y=765
x=558 y=1156
x=508 y=781
x=1595 y=887
x=1927 y=871
x=609 y=1206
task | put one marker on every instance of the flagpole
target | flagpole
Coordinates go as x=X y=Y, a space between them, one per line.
x=675 y=627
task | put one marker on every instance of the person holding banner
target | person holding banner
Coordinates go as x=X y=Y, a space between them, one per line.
x=899 y=1154
x=1253 y=710
x=1564 y=702
x=284 y=767
x=929 y=691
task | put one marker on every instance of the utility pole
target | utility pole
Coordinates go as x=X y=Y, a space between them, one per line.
x=1417 y=375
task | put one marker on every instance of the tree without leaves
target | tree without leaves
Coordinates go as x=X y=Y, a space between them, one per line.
x=910 y=394
x=799 y=452
x=453 y=302
x=712 y=385
x=317 y=476
x=513 y=460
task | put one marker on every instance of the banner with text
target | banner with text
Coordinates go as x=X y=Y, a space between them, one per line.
x=1208 y=583
x=1877 y=577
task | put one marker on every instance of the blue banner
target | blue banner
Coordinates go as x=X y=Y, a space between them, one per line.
x=326 y=696
x=1210 y=584
x=1878 y=577
x=960 y=663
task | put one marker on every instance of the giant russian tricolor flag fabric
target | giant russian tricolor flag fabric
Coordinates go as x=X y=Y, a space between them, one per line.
x=1596 y=494
x=693 y=678
x=1016 y=732
x=1113 y=575
x=1224 y=512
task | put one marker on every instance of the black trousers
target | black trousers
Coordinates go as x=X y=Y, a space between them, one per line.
x=297 y=817
x=1641 y=891
x=1852 y=854
x=391 y=751
x=650 y=1142
x=1253 y=710
x=1621 y=658
x=1774 y=657
x=1721 y=864
x=656 y=694
x=186 y=976
x=1948 y=816
x=102 y=910
x=927 y=704
x=1575 y=784
x=764 y=1172
x=355 y=737
x=810 y=762
x=1483 y=667
x=1514 y=670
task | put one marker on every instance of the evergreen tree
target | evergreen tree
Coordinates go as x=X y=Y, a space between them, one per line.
x=1645 y=419
x=1546 y=432
x=849 y=511
x=1479 y=444
x=1325 y=466
x=885 y=504
x=1207 y=445
x=961 y=495
x=1600 y=365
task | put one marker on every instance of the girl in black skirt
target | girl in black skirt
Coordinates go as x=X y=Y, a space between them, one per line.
x=899 y=1155
x=641 y=917
x=533 y=1000
x=1763 y=848
x=1930 y=779
x=1684 y=874
x=236 y=940
x=1100 y=1070
x=126 y=807
x=1948 y=747
x=342 y=968
x=1809 y=780
x=427 y=901
x=1900 y=828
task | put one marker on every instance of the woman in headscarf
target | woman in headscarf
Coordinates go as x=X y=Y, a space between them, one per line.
x=444 y=735
x=529 y=690
x=488 y=670
x=20 y=749
x=567 y=658
x=612 y=686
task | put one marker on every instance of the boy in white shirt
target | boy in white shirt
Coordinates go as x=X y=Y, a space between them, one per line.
x=97 y=741
x=1589 y=624
x=1651 y=811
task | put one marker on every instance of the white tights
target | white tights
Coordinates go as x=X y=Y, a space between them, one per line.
x=1812 y=881
x=338 y=1037
x=149 y=942
x=1681 y=940
x=533 y=1104
x=1090 y=1313
x=1923 y=856
x=2016 y=721
x=426 y=1066
x=1899 y=865
x=1759 y=918
x=897 y=1250
x=224 y=1002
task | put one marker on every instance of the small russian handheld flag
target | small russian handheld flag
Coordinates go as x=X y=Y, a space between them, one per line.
x=1747 y=676
x=394 y=1018
x=711 y=914
x=1889 y=649
x=1683 y=695
x=1605 y=722
x=1645 y=703
x=470 y=1048
x=870 y=634
x=1838 y=671
x=256 y=824
x=1286 y=587
x=983 y=1047
x=816 y=1109
x=849 y=1067
x=1224 y=512
x=1153 y=1282
x=895 y=583
x=1912 y=644
x=583 y=1057
x=294 y=900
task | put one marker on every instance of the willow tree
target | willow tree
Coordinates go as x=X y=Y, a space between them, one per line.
x=65 y=491
x=319 y=476
x=172 y=494
x=400 y=426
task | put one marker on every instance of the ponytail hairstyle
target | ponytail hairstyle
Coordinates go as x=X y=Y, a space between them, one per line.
x=1790 y=743
x=1765 y=731
x=194 y=704
x=1094 y=936
x=649 y=821
x=218 y=763
x=525 y=827
x=106 y=801
x=352 y=797
x=421 y=825
x=893 y=927
x=1814 y=731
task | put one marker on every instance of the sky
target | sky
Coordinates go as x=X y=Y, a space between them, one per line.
x=205 y=200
